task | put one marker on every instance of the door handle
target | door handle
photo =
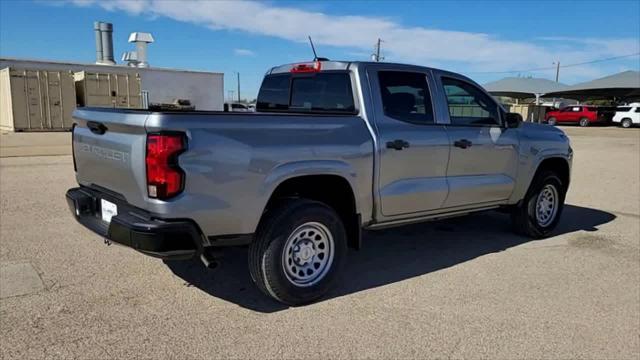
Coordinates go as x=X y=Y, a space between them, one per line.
x=462 y=143
x=97 y=127
x=397 y=144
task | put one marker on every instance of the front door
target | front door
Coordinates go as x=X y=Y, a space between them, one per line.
x=414 y=149
x=484 y=154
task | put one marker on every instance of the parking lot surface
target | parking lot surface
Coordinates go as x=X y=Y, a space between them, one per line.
x=461 y=288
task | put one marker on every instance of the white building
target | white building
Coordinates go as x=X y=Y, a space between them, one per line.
x=205 y=90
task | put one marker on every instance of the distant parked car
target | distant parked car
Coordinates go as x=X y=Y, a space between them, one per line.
x=576 y=114
x=236 y=107
x=627 y=115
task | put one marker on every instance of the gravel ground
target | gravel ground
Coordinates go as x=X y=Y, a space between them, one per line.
x=461 y=288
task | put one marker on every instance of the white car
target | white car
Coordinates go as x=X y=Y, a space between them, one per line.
x=236 y=107
x=627 y=115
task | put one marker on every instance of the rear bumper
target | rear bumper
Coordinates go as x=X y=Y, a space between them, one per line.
x=135 y=228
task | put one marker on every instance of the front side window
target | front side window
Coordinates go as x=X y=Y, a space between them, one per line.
x=469 y=105
x=405 y=96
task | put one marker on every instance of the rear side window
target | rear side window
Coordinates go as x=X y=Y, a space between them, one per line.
x=468 y=105
x=405 y=96
x=623 y=109
x=325 y=92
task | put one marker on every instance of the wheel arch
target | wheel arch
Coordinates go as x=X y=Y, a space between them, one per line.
x=559 y=165
x=327 y=184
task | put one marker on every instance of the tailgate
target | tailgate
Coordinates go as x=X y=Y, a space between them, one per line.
x=109 y=151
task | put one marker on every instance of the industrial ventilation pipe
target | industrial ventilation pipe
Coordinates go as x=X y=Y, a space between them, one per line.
x=104 y=43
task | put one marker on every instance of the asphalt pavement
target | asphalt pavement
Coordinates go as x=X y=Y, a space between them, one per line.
x=461 y=288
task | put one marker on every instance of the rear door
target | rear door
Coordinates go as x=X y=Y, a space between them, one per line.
x=574 y=114
x=414 y=149
x=484 y=154
x=109 y=151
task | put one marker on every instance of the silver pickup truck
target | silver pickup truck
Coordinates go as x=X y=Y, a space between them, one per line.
x=334 y=148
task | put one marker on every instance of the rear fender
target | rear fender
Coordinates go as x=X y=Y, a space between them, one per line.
x=295 y=169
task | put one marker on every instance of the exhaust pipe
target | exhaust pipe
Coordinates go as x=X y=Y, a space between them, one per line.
x=210 y=257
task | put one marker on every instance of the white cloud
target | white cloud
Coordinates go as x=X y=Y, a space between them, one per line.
x=468 y=50
x=243 y=52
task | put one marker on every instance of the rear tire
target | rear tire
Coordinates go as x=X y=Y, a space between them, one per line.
x=299 y=250
x=584 y=122
x=626 y=123
x=551 y=121
x=540 y=210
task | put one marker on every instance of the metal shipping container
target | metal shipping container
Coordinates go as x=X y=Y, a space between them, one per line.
x=108 y=90
x=36 y=100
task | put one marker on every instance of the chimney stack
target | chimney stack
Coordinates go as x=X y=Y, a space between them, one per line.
x=104 y=43
x=96 y=30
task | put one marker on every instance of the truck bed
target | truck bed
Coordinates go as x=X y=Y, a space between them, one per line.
x=232 y=160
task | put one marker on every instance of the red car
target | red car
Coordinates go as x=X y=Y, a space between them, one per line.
x=582 y=115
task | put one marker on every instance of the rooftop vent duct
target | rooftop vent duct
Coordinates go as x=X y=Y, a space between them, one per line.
x=141 y=40
x=96 y=30
x=131 y=58
x=104 y=43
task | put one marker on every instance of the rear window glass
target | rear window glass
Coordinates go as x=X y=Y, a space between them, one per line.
x=591 y=108
x=274 y=93
x=328 y=92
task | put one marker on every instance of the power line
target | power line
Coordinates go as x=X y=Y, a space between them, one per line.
x=554 y=67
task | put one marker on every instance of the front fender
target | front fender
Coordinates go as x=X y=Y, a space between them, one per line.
x=529 y=165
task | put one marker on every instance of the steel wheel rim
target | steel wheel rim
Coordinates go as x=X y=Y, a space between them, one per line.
x=626 y=123
x=308 y=254
x=547 y=205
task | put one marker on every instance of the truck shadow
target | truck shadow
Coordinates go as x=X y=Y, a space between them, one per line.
x=387 y=256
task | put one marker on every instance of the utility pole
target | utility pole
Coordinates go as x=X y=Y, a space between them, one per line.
x=376 y=57
x=557 y=70
x=239 y=86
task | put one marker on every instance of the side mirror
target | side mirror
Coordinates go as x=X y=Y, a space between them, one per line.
x=512 y=120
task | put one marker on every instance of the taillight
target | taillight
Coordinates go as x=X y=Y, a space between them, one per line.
x=165 y=179
x=311 y=67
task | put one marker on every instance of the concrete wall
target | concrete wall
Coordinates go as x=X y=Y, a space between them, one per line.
x=204 y=89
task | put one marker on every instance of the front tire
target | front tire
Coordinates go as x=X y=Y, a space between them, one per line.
x=299 y=250
x=626 y=123
x=539 y=213
x=584 y=122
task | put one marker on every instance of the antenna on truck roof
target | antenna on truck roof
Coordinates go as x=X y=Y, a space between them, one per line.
x=315 y=55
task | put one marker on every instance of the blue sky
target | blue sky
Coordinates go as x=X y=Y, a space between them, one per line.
x=477 y=38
